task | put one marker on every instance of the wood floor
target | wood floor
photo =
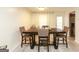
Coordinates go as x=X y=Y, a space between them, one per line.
x=72 y=47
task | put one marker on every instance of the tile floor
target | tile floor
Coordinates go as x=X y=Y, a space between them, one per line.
x=72 y=47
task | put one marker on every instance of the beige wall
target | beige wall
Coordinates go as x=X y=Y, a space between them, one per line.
x=51 y=18
x=35 y=18
x=76 y=25
x=66 y=18
x=24 y=18
x=10 y=21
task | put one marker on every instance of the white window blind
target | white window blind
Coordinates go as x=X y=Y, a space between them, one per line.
x=59 y=22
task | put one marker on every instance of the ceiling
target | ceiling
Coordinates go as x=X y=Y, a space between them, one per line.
x=51 y=9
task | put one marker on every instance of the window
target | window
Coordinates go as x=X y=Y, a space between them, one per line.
x=42 y=20
x=59 y=22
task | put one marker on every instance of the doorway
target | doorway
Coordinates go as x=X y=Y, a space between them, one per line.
x=72 y=24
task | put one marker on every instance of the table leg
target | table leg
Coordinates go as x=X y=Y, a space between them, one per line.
x=55 y=43
x=33 y=42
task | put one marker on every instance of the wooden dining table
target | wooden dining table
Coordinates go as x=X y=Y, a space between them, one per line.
x=33 y=32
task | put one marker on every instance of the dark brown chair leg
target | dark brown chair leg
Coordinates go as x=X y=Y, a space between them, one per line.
x=48 y=45
x=22 y=42
x=30 y=41
x=38 y=48
x=63 y=40
x=39 y=45
x=66 y=43
x=57 y=41
x=48 y=48
x=25 y=39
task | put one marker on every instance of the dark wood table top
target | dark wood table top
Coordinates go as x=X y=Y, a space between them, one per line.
x=34 y=32
x=52 y=30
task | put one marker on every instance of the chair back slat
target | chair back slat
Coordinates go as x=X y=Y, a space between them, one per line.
x=22 y=29
x=66 y=28
x=43 y=32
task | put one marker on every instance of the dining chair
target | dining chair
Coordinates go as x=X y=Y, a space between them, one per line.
x=43 y=35
x=62 y=36
x=25 y=37
x=45 y=26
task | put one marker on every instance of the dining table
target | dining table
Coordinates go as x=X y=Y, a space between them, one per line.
x=33 y=32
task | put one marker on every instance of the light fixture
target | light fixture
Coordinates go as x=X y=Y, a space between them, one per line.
x=41 y=9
